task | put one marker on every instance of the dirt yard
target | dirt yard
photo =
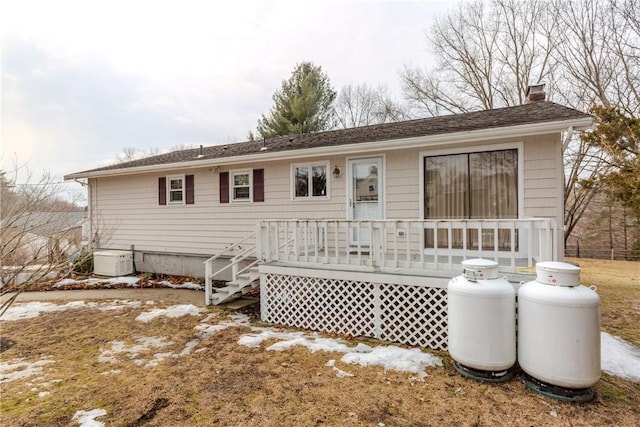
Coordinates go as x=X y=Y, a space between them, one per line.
x=191 y=370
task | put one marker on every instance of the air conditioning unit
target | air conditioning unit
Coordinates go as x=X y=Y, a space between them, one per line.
x=113 y=263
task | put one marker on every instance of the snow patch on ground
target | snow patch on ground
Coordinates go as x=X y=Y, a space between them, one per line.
x=388 y=357
x=120 y=305
x=34 y=309
x=185 y=285
x=411 y=360
x=619 y=358
x=317 y=343
x=130 y=281
x=144 y=344
x=21 y=369
x=339 y=372
x=123 y=280
x=188 y=348
x=206 y=330
x=88 y=418
x=173 y=311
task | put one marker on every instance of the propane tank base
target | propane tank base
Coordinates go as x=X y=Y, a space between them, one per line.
x=576 y=395
x=484 y=376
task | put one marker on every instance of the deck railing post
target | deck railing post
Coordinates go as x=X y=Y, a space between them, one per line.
x=207 y=283
x=441 y=244
x=548 y=241
x=554 y=236
x=234 y=268
x=259 y=254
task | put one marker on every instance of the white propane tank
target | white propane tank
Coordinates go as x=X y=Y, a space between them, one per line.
x=559 y=327
x=481 y=319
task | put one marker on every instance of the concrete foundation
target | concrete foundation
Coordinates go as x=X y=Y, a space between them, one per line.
x=177 y=264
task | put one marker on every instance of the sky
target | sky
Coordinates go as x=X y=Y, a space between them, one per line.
x=83 y=80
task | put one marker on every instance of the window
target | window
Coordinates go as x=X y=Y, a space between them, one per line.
x=176 y=189
x=241 y=186
x=310 y=181
x=481 y=185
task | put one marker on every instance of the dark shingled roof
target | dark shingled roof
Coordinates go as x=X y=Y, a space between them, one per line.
x=538 y=112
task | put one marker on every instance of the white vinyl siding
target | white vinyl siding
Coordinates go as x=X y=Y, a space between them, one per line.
x=126 y=212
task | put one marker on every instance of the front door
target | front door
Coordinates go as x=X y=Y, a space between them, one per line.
x=365 y=196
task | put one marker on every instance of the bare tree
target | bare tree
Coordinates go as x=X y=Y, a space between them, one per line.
x=598 y=57
x=607 y=230
x=130 y=153
x=362 y=105
x=37 y=233
x=598 y=52
x=584 y=164
x=587 y=51
x=486 y=56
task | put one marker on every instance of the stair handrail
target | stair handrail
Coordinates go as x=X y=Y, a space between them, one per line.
x=248 y=267
x=234 y=261
x=230 y=247
x=251 y=265
x=208 y=284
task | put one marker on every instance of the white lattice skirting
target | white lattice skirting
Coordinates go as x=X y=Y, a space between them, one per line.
x=344 y=303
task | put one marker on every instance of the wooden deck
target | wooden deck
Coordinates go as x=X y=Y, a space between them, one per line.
x=409 y=246
x=383 y=279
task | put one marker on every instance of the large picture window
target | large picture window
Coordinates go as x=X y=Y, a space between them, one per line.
x=480 y=185
x=310 y=181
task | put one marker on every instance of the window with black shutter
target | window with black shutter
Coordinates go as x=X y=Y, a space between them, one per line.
x=242 y=186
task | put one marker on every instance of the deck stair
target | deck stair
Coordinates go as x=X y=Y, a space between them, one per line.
x=244 y=272
x=241 y=285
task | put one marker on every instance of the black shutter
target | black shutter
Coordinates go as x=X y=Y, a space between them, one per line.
x=162 y=190
x=258 y=185
x=224 y=187
x=189 y=189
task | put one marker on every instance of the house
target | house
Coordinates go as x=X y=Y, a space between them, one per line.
x=35 y=241
x=352 y=231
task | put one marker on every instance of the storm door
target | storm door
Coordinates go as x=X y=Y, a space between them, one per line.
x=365 y=196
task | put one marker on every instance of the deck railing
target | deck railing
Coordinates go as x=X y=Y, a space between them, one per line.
x=407 y=245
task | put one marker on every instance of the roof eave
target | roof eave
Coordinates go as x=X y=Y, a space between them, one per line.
x=375 y=146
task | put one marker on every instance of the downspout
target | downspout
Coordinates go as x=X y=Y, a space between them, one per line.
x=89 y=210
x=560 y=239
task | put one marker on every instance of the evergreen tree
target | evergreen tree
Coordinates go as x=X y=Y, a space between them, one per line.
x=302 y=105
x=618 y=135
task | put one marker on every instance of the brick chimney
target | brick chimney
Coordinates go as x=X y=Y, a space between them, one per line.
x=535 y=93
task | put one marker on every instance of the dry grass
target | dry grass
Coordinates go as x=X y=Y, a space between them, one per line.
x=618 y=284
x=229 y=384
